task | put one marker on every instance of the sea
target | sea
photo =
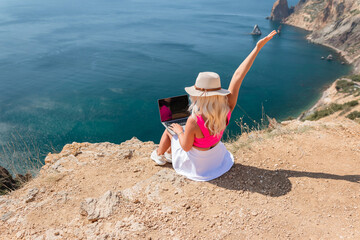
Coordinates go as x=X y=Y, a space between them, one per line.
x=92 y=71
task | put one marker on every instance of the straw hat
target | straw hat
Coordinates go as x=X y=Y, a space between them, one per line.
x=207 y=84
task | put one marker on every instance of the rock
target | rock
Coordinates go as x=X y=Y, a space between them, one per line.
x=51 y=158
x=6 y=216
x=6 y=181
x=31 y=195
x=322 y=57
x=103 y=207
x=69 y=160
x=125 y=153
x=280 y=10
x=329 y=57
x=61 y=196
x=342 y=63
x=256 y=30
x=72 y=149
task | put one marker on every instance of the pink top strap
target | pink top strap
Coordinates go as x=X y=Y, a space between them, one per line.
x=208 y=140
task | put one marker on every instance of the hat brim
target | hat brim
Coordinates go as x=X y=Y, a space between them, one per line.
x=197 y=93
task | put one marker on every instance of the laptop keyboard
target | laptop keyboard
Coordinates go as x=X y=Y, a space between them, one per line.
x=182 y=122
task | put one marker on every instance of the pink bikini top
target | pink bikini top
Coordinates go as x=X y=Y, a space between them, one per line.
x=208 y=140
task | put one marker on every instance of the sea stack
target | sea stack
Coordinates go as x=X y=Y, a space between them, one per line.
x=329 y=58
x=280 y=10
x=256 y=30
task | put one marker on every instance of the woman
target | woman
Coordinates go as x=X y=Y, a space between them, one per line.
x=198 y=152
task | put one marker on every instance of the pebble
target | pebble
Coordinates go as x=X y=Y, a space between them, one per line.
x=31 y=195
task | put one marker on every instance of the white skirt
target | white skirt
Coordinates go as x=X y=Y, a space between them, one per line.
x=201 y=165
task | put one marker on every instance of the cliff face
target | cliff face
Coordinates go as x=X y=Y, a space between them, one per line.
x=279 y=10
x=334 y=23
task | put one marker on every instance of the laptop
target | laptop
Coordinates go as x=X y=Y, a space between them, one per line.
x=174 y=110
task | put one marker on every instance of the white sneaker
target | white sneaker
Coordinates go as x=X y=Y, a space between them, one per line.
x=168 y=157
x=158 y=159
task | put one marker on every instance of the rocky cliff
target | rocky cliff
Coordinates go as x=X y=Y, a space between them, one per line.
x=280 y=10
x=334 y=23
x=282 y=175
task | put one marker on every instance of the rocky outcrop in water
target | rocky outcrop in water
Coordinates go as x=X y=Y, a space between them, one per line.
x=256 y=30
x=280 y=10
x=330 y=57
x=334 y=23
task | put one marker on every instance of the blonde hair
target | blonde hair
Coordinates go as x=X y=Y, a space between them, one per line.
x=214 y=109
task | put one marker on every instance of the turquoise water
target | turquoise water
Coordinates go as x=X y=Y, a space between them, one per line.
x=93 y=70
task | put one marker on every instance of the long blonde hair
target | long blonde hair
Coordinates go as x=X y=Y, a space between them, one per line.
x=214 y=109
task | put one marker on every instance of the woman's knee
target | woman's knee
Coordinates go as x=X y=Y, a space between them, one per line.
x=168 y=134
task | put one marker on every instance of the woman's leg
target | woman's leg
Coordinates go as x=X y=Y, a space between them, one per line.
x=165 y=143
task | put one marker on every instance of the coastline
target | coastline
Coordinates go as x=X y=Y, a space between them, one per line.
x=333 y=24
x=355 y=69
x=105 y=190
x=355 y=62
x=320 y=91
x=319 y=102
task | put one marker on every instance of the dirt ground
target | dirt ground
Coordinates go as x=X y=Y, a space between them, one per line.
x=299 y=181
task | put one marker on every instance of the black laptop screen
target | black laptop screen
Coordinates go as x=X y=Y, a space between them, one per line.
x=173 y=108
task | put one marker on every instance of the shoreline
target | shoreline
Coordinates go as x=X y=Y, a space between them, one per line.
x=353 y=61
x=342 y=53
x=318 y=103
x=354 y=64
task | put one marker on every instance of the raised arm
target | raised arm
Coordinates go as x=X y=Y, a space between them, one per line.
x=242 y=70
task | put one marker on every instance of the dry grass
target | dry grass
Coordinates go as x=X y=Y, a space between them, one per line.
x=21 y=156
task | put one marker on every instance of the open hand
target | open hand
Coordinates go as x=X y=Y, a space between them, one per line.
x=264 y=40
x=176 y=128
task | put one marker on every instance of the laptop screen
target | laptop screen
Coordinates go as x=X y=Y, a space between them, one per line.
x=173 y=108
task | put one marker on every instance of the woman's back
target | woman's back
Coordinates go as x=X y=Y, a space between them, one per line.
x=203 y=137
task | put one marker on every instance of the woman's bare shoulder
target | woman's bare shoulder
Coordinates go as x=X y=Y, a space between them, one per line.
x=191 y=122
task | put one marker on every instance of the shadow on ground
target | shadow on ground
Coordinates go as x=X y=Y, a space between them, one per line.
x=274 y=183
